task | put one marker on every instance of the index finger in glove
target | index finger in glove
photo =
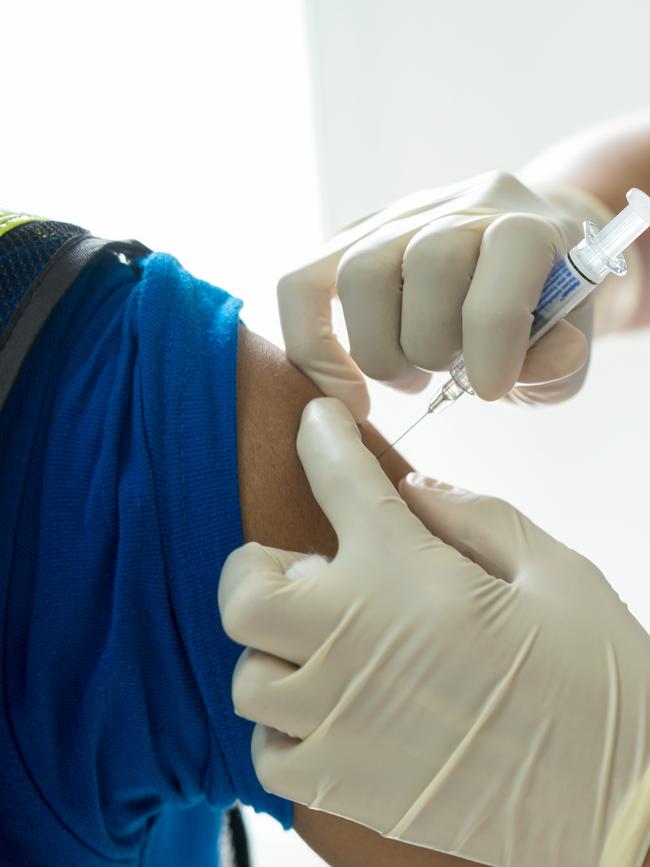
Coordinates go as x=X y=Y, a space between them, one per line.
x=348 y=482
x=304 y=301
x=305 y=305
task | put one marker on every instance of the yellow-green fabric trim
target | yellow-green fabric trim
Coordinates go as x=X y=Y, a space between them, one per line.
x=10 y=219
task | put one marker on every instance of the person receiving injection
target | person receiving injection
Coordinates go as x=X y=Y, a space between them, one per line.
x=454 y=678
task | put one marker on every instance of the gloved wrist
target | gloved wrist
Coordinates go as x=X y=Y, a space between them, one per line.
x=575 y=201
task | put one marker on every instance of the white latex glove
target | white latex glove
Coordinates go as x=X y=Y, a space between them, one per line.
x=482 y=691
x=459 y=268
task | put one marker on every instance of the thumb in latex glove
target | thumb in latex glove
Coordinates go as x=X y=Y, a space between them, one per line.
x=444 y=271
x=457 y=680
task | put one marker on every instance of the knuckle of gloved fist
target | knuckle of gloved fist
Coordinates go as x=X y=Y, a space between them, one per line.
x=432 y=350
x=375 y=364
x=502 y=185
x=238 y=613
x=442 y=252
x=356 y=271
x=235 y=564
x=417 y=259
x=523 y=229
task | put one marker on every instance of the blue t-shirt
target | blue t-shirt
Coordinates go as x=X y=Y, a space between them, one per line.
x=118 y=506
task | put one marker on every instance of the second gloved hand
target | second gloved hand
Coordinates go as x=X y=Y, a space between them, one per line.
x=458 y=680
x=444 y=271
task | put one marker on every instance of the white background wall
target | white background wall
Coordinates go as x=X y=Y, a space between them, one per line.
x=411 y=93
x=191 y=126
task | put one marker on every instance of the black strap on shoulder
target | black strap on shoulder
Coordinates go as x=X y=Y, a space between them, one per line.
x=39 y=261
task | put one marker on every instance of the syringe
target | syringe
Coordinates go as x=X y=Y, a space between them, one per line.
x=570 y=281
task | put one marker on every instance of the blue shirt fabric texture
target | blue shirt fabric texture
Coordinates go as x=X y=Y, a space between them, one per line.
x=118 y=506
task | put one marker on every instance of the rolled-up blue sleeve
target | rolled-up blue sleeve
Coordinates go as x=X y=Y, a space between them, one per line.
x=122 y=433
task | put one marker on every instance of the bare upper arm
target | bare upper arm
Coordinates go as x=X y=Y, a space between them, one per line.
x=278 y=509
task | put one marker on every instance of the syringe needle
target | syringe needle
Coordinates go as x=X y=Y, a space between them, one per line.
x=445 y=397
x=402 y=435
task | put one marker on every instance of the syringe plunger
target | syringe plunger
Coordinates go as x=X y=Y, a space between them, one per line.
x=626 y=227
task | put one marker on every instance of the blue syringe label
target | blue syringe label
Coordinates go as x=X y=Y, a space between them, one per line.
x=560 y=283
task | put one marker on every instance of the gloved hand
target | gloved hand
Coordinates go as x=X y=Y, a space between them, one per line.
x=457 y=680
x=459 y=268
